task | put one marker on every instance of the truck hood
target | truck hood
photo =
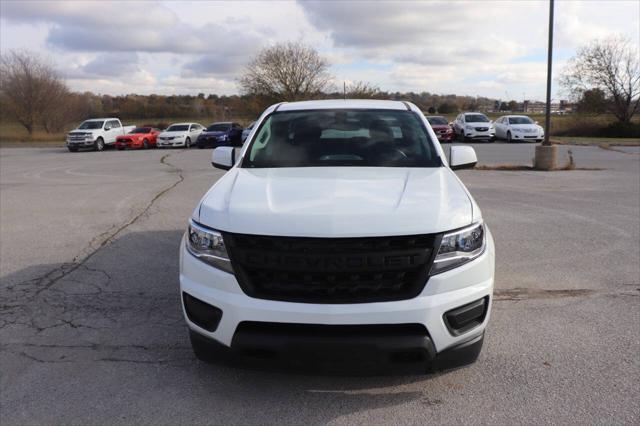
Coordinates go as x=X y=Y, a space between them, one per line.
x=336 y=201
x=79 y=131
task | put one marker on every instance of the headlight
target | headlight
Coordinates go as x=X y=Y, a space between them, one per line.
x=208 y=246
x=517 y=130
x=468 y=127
x=459 y=247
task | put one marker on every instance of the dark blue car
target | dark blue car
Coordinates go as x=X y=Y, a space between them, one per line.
x=221 y=134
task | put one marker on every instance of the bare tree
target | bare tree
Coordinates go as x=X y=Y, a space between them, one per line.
x=286 y=71
x=30 y=88
x=611 y=65
x=69 y=108
x=361 y=90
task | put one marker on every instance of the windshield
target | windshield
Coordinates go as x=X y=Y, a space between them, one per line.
x=476 y=118
x=366 y=138
x=520 y=120
x=141 y=130
x=91 y=125
x=220 y=127
x=437 y=120
x=178 y=128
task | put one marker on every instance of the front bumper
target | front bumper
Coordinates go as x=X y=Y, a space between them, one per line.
x=79 y=143
x=213 y=142
x=162 y=144
x=443 y=293
x=475 y=134
x=527 y=136
x=128 y=144
x=445 y=137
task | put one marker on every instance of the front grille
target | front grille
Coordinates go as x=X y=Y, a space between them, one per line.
x=482 y=129
x=331 y=270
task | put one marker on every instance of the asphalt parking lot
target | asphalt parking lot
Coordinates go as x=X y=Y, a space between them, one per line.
x=91 y=328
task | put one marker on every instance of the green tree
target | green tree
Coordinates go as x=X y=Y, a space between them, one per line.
x=593 y=101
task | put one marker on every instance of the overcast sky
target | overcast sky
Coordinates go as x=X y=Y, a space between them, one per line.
x=487 y=48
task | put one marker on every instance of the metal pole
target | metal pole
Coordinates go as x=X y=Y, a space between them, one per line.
x=547 y=118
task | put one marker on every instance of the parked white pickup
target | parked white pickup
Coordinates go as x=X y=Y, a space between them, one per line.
x=96 y=133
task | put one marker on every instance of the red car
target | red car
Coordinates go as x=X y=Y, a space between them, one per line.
x=441 y=128
x=140 y=137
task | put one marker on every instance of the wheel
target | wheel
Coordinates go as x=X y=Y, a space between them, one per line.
x=200 y=145
x=509 y=140
x=99 y=144
x=187 y=143
x=145 y=144
x=73 y=149
x=207 y=350
x=120 y=148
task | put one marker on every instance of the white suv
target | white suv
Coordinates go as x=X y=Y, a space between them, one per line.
x=474 y=125
x=341 y=226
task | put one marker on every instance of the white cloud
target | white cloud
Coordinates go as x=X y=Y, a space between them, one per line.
x=481 y=47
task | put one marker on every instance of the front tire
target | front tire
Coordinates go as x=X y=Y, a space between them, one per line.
x=509 y=139
x=74 y=149
x=99 y=144
x=145 y=144
x=187 y=143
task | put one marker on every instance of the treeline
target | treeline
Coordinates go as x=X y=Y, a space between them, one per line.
x=247 y=107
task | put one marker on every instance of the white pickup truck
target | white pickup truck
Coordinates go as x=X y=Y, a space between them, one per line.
x=340 y=227
x=96 y=133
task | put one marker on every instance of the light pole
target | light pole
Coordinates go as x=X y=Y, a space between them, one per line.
x=546 y=153
x=547 y=116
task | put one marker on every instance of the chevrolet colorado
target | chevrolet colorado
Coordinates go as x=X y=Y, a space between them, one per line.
x=341 y=225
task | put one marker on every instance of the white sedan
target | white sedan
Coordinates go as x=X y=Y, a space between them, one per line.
x=518 y=128
x=180 y=134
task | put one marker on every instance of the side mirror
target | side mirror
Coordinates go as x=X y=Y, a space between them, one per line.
x=223 y=157
x=106 y=128
x=462 y=157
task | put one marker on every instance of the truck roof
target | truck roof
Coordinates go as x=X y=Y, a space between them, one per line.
x=344 y=104
x=102 y=119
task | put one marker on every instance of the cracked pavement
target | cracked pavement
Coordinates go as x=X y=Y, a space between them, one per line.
x=91 y=329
